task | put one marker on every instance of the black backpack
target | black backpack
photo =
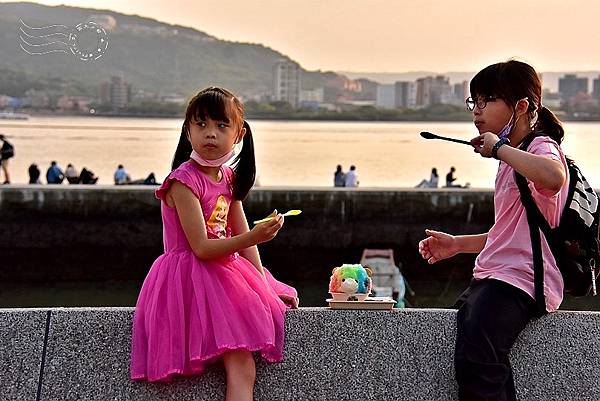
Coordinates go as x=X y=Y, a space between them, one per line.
x=574 y=242
x=7 y=151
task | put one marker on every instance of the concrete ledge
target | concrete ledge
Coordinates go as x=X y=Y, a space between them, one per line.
x=21 y=348
x=337 y=355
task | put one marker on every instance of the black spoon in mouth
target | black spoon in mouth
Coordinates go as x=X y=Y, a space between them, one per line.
x=429 y=135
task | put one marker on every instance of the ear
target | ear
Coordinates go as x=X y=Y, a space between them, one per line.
x=522 y=107
x=369 y=271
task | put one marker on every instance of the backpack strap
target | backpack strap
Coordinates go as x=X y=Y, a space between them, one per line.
x=536 y=221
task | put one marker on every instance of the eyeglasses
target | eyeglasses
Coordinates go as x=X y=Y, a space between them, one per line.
x=480 y=102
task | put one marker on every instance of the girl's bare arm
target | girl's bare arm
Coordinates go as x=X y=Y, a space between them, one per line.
x=239 y=225
x=192 y=221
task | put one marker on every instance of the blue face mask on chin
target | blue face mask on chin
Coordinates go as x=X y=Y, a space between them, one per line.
x=504 y=132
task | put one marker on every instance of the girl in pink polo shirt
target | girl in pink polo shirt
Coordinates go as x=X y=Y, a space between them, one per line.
x=506 y=101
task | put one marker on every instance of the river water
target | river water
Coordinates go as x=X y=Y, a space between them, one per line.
x=288 y=153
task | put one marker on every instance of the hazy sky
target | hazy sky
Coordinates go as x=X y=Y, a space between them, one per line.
x=393 y=35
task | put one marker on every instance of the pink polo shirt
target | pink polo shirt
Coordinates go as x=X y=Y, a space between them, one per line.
x=507 y=254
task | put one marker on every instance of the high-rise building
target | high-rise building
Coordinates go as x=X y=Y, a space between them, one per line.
x=570 y=85
x=461 y=91
x=286 y=82
x=406 y=94
x=368 y=89
x=424 y=91
x=386 y=96
x=440 y=91
x=596 y=88
x=117 y=92
x=432 y=90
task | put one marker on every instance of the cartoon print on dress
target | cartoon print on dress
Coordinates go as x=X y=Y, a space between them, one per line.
x=218 y=218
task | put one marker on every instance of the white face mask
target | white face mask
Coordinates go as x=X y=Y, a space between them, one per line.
x=211 y=163
x=237 y=148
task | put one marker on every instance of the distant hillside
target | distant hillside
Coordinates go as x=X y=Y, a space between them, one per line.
x=150 y=54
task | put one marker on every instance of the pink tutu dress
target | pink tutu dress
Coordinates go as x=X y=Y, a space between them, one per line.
x=191 y=311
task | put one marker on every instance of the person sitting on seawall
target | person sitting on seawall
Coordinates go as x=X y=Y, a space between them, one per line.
x=351 y=179
x=506 y=102
x=54 y=175
x=433 y=180
x=34 y=174
x=450 y=178
x=71 y=174
x=87 y=177
x=121 y=176
x=150 y=180
x=339 y=178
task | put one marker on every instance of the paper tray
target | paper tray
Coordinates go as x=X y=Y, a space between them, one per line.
x=369 y=303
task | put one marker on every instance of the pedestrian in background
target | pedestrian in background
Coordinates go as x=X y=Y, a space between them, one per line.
x=7 y=151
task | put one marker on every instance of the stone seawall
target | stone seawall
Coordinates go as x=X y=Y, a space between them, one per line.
x=97 y=233
x=83 y=354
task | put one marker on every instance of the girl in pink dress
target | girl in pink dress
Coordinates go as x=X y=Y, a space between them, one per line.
x=208 y=297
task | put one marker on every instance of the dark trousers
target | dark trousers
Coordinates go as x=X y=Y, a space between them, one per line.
x=491 y=314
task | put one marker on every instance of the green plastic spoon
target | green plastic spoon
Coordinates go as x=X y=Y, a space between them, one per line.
x=294 y=212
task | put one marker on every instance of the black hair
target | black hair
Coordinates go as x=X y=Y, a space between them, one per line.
x=512 y=81
x=220 y=104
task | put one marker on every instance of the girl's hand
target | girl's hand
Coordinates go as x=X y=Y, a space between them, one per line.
x=484 y=143
x=266 y=231
x=292 y=302
x=437 y=246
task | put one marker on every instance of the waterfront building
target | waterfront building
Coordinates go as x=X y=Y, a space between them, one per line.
x=406 y=94
x=286 y=82
x=116 y=93
x=386 y=96
x=570 y=85
x=596 y=88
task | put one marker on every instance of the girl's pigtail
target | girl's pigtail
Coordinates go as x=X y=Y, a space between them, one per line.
x=550 y=125
x=184 y=149
x=244 y=171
